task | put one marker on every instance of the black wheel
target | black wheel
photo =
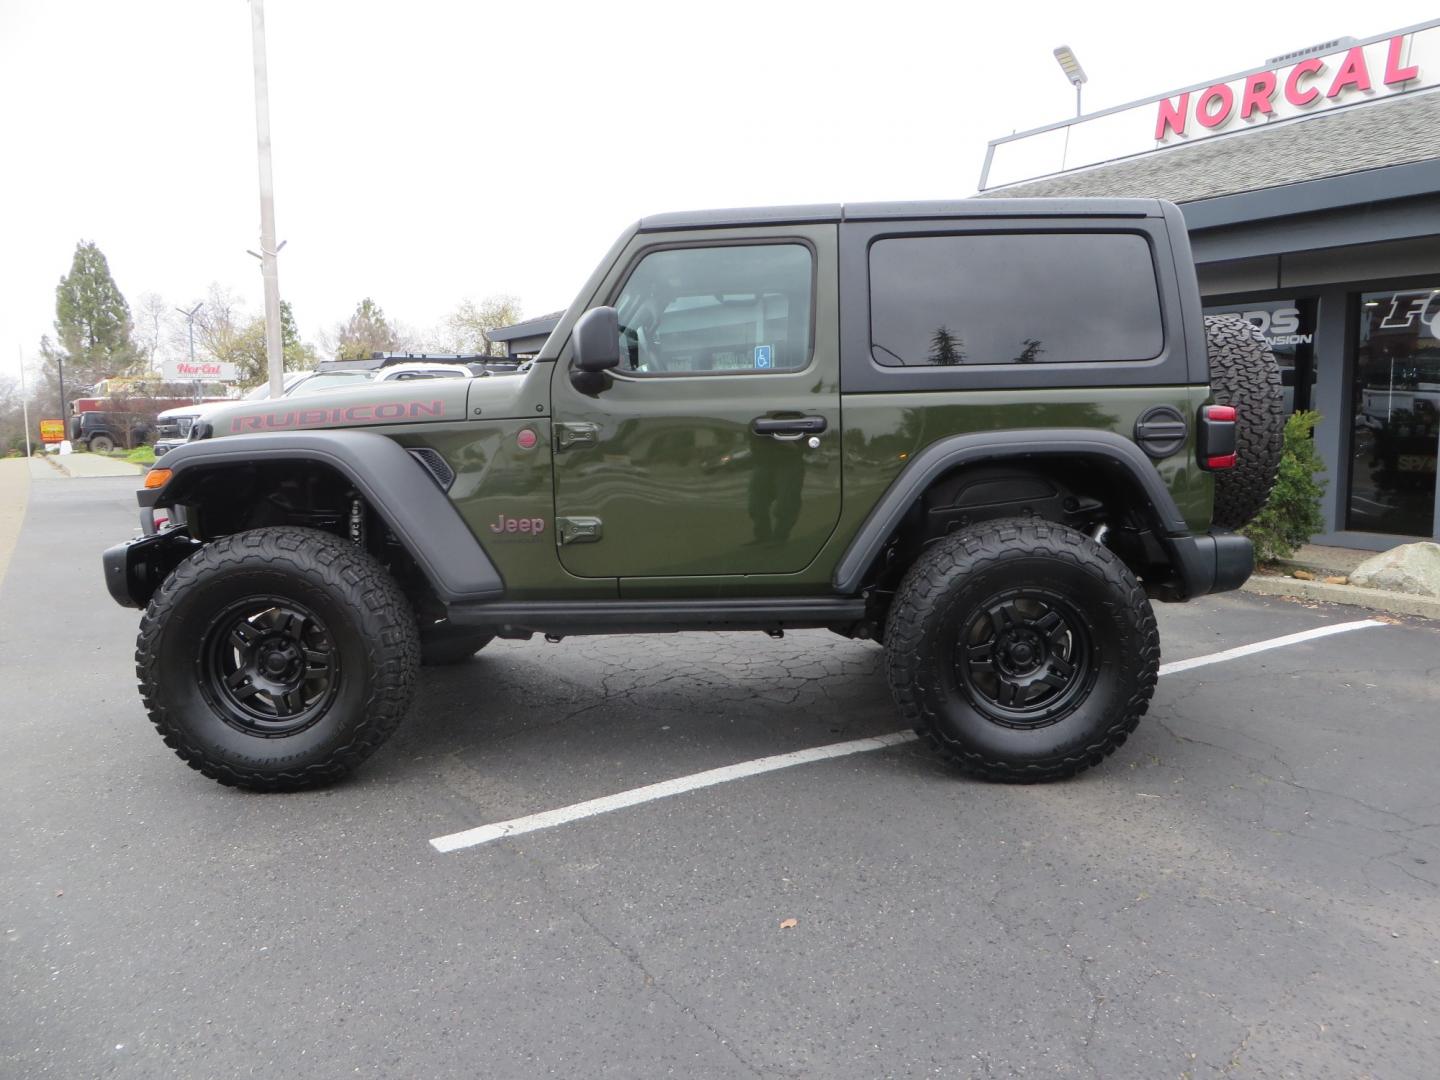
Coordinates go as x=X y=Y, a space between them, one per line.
x=1243 y=373
x=439 y=648
x=1022 y=650
x=277 y=659
x=100 y=444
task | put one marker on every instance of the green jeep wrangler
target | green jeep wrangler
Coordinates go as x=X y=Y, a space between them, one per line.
x=984 y=434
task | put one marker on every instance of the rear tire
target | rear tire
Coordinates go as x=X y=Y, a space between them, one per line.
x=100 y=444
x=1243 y=373
x=1021 y=650
x=277 y=659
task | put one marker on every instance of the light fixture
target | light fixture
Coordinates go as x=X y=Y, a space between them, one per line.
x=1073 y=71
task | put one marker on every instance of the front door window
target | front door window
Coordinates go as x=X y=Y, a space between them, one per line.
x=1396 y=417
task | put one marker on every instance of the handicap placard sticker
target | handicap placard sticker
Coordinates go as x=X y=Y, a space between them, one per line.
x=762 y=356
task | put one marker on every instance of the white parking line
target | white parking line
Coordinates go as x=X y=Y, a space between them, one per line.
x=484 y=834
x=1269 y=643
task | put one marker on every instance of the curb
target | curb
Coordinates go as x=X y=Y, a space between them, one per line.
x=1395 y=603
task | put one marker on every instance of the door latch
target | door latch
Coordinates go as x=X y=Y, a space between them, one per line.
x=579 y=434
x=579 y=530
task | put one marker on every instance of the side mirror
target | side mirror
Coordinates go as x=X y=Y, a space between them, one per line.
x=597 y=340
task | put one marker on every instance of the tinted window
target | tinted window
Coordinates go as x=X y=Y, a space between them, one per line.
x=718 y=309
x=1013 y=299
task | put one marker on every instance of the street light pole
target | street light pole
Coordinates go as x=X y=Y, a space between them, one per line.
x=25 y=401
x=269 y=268
x=1073 y=71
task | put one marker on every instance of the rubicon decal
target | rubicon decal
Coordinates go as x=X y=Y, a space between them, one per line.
x=351 y=414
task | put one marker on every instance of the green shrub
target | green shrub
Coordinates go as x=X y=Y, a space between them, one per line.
x=1292 y=513
x=141 y=455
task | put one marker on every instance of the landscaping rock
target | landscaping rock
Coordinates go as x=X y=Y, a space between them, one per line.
x=1410 y=568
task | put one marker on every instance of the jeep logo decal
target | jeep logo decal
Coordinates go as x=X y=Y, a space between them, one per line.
x=355 y=414
x=526 y=526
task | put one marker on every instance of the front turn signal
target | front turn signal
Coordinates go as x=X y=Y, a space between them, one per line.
x=156 y=478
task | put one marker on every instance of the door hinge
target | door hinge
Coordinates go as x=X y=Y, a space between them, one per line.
x=579 y=530
x=580 y=434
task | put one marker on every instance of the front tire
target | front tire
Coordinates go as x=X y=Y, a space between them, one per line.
x=277 y=659
x=100 y=444
x=1021 y=650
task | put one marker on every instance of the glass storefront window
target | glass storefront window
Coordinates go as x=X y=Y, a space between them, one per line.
x=1396 y=413
x=1289 y=327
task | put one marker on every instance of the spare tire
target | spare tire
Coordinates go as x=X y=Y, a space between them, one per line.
x=1243 y=373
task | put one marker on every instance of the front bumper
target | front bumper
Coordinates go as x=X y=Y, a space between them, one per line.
x=1212 y=562
x=135 y=569
x=164 y=446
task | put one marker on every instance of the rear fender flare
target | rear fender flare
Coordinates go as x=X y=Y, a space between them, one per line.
x=397 y=487
x=1025 y=447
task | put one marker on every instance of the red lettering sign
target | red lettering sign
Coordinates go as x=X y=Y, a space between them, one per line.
x=1352 y=73
x=1293 y=94
x=1259 y=89
x=1214 y=118
x=1172 y=117
x=1394 y=73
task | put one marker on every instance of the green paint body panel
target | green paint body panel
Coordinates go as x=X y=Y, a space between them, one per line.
x=693 y=503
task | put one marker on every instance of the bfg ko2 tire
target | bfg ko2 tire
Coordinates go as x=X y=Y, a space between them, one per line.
x=277 y=659
x=1022 y=650
x=1243 y=373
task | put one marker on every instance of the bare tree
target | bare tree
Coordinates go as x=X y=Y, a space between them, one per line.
x=467 y=328
x=152 y=318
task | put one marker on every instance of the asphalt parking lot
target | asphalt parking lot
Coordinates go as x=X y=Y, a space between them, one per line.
x=1248 y=889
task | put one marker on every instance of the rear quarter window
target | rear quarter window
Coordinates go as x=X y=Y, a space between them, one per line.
x=1013 y=298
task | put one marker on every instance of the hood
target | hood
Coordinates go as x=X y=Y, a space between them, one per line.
x=399 y=401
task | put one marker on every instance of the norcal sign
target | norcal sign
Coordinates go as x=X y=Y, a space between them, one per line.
x=1350 y=73
x=1312 y=85
x=199 y=370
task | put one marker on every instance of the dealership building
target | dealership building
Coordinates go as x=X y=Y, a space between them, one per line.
x=1311 y=190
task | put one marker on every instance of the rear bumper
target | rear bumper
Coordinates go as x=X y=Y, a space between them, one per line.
x=1212 y=562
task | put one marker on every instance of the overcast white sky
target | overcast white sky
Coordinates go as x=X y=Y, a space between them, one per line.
x=428 y=151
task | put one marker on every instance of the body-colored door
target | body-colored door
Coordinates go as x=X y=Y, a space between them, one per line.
x=714 y=448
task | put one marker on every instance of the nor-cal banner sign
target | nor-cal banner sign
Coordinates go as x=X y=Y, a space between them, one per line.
x=1350 y=73
x=199 y=371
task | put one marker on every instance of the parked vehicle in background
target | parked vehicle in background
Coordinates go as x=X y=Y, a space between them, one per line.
x=101 y=432
x=987 y=434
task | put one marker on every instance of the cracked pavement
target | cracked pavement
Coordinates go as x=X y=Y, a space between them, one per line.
x=1247 y=889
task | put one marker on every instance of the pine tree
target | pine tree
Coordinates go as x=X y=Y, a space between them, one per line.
x=945 y=348
x=93 y=329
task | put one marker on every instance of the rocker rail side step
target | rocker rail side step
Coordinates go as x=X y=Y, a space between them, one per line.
x=562 y=618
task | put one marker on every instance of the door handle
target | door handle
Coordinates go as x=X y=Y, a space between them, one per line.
x=788 y=428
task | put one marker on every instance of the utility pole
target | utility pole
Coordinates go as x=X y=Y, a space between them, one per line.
x=269 y=268
x=190 y=319
x=24 y=400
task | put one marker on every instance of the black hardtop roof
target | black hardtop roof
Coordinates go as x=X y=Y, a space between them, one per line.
x=819 y=213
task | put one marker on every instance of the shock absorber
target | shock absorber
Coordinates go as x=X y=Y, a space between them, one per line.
x=357 y=521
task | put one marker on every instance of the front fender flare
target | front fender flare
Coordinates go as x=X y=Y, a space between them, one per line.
x=420 y=515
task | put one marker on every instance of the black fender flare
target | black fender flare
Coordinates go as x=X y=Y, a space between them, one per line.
x=397 y=487
x=1105 y=448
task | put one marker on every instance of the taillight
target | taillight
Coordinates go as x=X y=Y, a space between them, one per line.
x=1217 y=440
